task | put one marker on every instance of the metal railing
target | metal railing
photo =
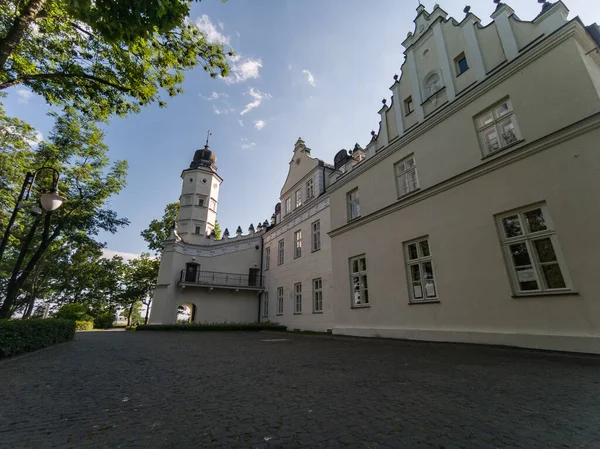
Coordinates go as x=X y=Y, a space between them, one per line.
x=216 y=279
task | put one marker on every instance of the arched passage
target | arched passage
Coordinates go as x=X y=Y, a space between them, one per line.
x=186 y=313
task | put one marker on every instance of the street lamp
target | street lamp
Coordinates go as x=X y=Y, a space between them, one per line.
x=49 y=201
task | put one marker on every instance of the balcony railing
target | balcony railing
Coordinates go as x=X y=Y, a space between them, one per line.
x=222 y=280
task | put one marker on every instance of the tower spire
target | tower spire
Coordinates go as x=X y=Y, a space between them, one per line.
x=208 y=134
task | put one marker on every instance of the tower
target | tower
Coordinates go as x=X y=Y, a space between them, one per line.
x=199 y=197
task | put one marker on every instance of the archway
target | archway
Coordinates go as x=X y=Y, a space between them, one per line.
x=186 y=313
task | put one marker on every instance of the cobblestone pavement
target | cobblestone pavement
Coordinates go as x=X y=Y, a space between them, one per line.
x=192 y=390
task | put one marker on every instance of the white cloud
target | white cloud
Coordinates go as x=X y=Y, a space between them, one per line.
x=243 y=69
x=221 y=25
x=24 y=95
x=109 y=254
x=223 y=111
x=213 y=35
x=241 y=122
x=259 y=124
x=290 y=67
x=36 y=139
x=309 y=77
x=258 y=96
x=214 y=96
x=246 y=146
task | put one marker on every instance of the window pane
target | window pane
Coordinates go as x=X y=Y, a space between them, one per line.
x=486 y=119
x=507 y=130
x=366 y=297
x=520 y=255
x=355 y=266
x=553 y=276
x=400 y=168
x=526 y=279
x=545 y=250
x=356 y=289
x=417 y=290
x=363 y=279
x=512 y=226
x=430 y=289
x=490 y=139
x=412 y=251
x=363 y=264
x=424 y=248
x=502 y=110
x=415 y=273
x=427 y=270
x=535 y=220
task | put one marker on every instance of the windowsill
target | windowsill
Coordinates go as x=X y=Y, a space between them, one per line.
x=360 y=306
x=279 y=314
x=465 y=71
x=318 y=313
x=406 y=115
x=429 y=301
x=503 y=149
x=297 y=313
x=412 y=192
x=353 y=219
x=280 y=264
x=297 y=257
x=547 y=293
x=315 y=250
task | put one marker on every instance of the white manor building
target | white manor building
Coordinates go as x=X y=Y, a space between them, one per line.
x=471 y=216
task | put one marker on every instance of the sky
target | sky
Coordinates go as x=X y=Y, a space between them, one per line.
x=316 y=69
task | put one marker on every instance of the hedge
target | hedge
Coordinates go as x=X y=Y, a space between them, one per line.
x=84 y=325
x=17 y=336
x=212 y=327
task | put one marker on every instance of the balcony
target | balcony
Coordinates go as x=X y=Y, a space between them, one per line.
x=212 y=279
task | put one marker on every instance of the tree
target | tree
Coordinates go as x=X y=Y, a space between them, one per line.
x=217 y=230
x=103 y=56
x=140 y=280
x=75 y=312
x=76 y=149
x=158 y=230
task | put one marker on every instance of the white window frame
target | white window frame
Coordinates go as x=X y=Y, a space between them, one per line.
x=298 y=298
x=353 y=204
x=310 y=188
x=288 y=205
x=267 y=258
x=298 y=244
x=317 y=295
x=407 y=177
x=409 y=105
x=212 y=204
x=359 y=282
x=490 y=120
x=420 y=290
x=528 y=237
x=298 y=198
x=280 y=252
x=315 y=228
x=265 y=313
x=279 y=301
x=457 y=64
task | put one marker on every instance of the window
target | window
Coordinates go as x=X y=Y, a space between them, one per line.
x=266 y=304
x=267 y=258
x=497 y=128
x=298 y=198
x=213 y=205
x=419 y=266
x=288 y=205
x=297 y=298
x=406 y=176
x=280 y=252
x=316 y=235
x=310 y=189
x=461 y=64
x=358 y=281
x=198 y=230
x=409 y=106
x=532 y=251
x=297 y=244
x=187 y=200
x=201 y=202
x=317 y=295
x=353 y=205
x=279 y=300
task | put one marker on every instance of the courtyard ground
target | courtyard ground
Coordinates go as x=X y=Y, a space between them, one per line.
x=237 y=389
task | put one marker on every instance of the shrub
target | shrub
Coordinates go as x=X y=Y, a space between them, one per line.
x=75 y=312
x=105 y=320
x=84 y=325
x=212 y=327
x=17 y=336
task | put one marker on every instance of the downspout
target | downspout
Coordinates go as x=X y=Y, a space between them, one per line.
x=260 y=293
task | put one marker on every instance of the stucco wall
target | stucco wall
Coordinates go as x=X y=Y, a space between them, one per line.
x=471 y=275
x=490 y=45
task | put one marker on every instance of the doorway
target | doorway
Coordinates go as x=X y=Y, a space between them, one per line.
x=191 y=272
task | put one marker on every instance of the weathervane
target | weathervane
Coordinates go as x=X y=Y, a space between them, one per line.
x=207 y=136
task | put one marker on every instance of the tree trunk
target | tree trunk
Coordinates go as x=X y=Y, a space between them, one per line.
x=30 y=307
x=147 y=311
x=129 y=315
x=13 y=285
x=18 y=29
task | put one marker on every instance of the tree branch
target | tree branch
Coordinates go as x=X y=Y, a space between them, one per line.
x=48 y=76
x=17 y=30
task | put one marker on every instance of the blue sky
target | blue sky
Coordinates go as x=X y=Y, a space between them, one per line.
x=316 y=69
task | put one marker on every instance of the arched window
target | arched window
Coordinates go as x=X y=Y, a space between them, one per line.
x=433 y=83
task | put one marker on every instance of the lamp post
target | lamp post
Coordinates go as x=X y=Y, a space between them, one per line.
x=49 y=201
